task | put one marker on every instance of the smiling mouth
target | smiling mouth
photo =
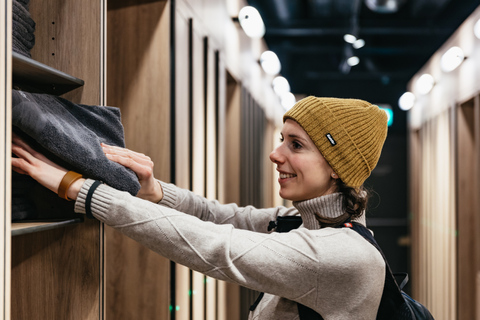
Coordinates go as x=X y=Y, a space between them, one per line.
x=287 y=175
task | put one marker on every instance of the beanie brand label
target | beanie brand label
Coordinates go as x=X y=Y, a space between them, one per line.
x=330 y=138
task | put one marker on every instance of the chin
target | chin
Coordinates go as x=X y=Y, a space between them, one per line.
x=290 y=197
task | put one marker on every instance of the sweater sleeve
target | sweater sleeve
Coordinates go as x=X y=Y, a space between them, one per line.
x=247 y=218
x=284 y=264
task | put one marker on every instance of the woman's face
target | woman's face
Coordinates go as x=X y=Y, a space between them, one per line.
x=304 y=172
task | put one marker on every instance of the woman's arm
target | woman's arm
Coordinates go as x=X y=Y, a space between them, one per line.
x=183 y=200
x=248 y=217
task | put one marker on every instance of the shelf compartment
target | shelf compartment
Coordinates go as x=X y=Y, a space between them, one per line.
x=31 y=75
x=32 y=226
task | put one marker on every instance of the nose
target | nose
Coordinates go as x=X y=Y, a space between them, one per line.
x=276 y=156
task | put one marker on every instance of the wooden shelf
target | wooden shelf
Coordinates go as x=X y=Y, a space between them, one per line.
x=31 y=226
x=31 y=75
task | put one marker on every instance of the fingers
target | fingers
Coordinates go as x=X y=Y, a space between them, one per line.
x=126 y=153
x=142 y=171
x=16 y=140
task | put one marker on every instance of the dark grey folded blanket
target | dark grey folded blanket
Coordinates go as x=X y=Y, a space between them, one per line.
x=23 y=28
x=72 y=133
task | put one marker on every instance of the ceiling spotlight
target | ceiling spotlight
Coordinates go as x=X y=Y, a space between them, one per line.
x=353 y=61
x=287 y=100
x=476 y=29
x=452 y=59
x=251 y=22
x=280 y=85
x=359 y=43
x=349 y=38
x=424 y=84
x=406 y=101
x=384 y=6
x=270 y=63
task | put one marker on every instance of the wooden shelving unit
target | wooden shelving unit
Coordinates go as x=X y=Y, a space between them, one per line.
x=56 y=269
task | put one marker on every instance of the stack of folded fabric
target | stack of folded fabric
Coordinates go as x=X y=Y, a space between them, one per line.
x=23 y=38
x=72 y=133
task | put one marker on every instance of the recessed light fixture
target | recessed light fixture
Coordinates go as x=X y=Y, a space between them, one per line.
x=353 y=61
x=349 y=38
x=287 y=99
x=270 y=63
x=476 y=29
x=251 y=22
x=451 y=59
x=406 y=101
x=280 y=85
x=425 y=83
x=359 y=43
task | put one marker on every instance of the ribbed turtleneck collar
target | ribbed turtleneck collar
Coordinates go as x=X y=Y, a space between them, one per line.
x=329 y=207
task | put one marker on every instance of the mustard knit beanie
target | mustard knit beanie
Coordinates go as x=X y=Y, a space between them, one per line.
x=348 y=132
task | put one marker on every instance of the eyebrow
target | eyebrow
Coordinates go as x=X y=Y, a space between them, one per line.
x=294 y=136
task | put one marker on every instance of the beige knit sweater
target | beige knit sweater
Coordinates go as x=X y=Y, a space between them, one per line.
x=334 y=271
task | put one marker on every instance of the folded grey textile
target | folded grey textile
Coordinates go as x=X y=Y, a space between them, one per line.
x=20 y=30
x=27 y=39
x=73 y=133
x=23 y=28
x=25 y=3
x=22 y=15
x=20 y=48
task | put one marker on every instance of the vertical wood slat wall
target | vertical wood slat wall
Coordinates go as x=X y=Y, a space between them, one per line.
x=137 y=279
x=444 y=180
x=433 y=217
x=467 y=130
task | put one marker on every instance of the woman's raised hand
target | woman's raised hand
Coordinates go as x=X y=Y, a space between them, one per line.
x=142 y=165
x=40 y=168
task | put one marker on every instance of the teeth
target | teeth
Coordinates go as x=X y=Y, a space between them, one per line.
x=286 y=175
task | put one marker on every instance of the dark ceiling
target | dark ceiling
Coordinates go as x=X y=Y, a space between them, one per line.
x=307 y=36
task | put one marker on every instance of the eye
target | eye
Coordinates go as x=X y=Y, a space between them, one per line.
x=296 y=145
x=282 y=139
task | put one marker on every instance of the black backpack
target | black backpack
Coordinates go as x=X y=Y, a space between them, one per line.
x=394 y=305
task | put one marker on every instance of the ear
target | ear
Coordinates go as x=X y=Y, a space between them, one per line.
x=334 y=175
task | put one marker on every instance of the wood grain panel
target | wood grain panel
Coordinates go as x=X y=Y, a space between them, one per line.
x=182 y=148
x=210 y=158
x=138 y=285
x=198 y=295
x=68 y=37
x=211 y=301
x=182 y=293
x=198 y=157
x=137 y=280
x=182 y=134
x=232 y=150
x=55 y=274
x=210 y=124
x=139 y=78
x=466 y=210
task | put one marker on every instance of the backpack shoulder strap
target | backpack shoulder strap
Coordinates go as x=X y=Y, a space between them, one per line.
x=392 y=297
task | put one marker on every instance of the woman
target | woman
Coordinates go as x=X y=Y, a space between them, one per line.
x=328 y=148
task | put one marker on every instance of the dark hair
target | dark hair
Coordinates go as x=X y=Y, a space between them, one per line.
x=354 y=199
